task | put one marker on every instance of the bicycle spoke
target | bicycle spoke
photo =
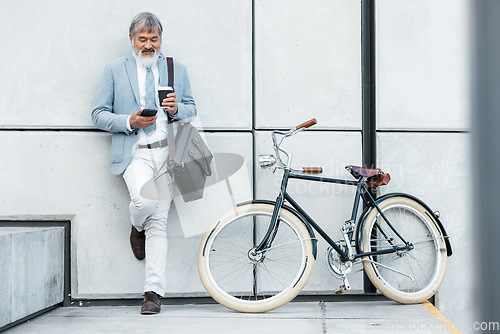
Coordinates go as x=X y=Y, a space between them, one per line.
x=389 y=268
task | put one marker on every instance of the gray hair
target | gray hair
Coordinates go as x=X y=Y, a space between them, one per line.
x=147 y=21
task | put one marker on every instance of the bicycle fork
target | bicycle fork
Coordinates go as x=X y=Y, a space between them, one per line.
x=274 y=223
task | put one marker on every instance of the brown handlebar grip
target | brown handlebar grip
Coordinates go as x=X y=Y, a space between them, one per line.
x=307 y=124
x=312 y=169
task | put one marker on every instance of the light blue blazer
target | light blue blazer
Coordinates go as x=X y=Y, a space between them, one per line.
x=118 y=97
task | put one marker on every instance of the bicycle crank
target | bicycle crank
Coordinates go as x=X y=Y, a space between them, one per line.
x=338 y=268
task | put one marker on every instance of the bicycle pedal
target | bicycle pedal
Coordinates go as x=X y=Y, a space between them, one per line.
x=340 y=290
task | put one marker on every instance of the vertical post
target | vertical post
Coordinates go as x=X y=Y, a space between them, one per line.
x=368 y=82
x=254 y=144
x=368 y=132
x=486 y=139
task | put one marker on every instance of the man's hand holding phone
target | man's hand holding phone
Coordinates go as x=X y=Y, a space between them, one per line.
x=143 y=118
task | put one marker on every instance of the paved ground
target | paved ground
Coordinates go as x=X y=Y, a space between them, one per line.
x=295 y=317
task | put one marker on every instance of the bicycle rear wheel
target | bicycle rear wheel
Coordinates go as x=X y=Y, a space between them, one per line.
x=244 y=281
x=406 y=276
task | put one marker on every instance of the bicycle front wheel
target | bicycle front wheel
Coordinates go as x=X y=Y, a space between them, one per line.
x=246 y=281
x=410 y=275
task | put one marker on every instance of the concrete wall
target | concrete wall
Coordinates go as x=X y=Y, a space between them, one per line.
x=422 y=111
x=56 y=166
x=305 y=63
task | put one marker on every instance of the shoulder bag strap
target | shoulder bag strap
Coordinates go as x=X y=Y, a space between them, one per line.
x=170 y=125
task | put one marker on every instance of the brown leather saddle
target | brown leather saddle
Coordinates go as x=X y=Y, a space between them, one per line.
x=374 y=176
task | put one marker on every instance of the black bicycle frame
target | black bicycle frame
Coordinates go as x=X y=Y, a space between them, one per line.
x=361 y=192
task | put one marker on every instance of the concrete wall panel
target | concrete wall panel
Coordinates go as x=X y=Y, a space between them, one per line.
x=307 y=63
x=329 y=205
x=423 y=84
x=422 y=64
x=54 y=84
x=436 y=169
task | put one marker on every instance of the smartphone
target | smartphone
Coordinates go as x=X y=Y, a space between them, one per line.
x=148 y=112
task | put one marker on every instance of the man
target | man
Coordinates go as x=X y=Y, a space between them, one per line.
x=139 y=148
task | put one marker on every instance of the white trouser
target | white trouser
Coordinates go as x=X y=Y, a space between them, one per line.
x=150 y=189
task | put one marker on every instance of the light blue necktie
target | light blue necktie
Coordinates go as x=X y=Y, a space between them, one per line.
x=150 y=97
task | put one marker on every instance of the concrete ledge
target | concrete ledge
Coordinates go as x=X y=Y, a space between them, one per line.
x=32 y=271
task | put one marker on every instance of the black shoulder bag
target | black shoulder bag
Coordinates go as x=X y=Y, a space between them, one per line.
x=189 y=157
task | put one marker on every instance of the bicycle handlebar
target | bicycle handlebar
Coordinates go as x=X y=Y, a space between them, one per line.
x=307 y=124
x=278 y=149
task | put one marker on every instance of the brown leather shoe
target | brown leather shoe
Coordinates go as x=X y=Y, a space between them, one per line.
x=138 y=243
x=151 y=304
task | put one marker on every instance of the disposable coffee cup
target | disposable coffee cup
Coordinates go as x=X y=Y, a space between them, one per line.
x=163 y=92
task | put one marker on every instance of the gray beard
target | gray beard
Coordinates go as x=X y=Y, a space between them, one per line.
x=147 y=61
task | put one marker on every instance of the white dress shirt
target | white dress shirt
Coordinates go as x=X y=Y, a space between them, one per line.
x=161 y=121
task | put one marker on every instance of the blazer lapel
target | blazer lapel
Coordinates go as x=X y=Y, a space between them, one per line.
x=131 y=67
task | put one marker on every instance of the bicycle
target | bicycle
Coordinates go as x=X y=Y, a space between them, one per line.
x=260 y=255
